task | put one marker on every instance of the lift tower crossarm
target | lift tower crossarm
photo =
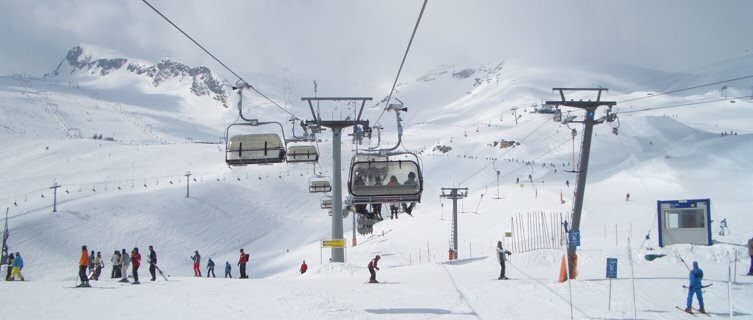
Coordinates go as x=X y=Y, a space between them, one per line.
x=589 y=121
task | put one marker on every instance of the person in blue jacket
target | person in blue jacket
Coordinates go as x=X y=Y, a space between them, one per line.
x=18 y=264
x=694 y=287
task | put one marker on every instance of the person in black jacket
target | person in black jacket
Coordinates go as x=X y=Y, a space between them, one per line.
x=373 y=265
x=501 y=252
x=152 y=263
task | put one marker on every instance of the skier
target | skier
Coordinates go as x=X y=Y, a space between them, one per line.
x=98 y=265
x=91 y=264
x=694 y=287
x=83 y=262
x=210 y=268
x=750 y=252
x=18 y=264
x=373 y=265
x=196 y=264
x=242 y=263
x=393 y=211
x=125 y=260
x=627 y=196
x=115 y=260
x=227 y=270
x=9 y=266
x=304 y=267
x=723 y=227
x=135 y=262
x=152 y=263
x=501 y=252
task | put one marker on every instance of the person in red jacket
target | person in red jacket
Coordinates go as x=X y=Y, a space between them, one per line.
x=82 y=264
x=373 y=265
x=135 y=262
x=242 y=262
x=304 y=267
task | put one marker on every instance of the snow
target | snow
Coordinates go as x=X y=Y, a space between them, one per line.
x=131 y=192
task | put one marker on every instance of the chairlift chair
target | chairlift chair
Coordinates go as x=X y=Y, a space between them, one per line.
x=326 y=202
x=318 y=184
x=374 y=179
x=302 y=154
x=256 y=148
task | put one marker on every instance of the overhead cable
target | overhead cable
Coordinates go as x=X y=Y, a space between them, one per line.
x=217 y=59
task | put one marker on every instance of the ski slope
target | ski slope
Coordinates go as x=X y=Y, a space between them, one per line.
x=131 y=192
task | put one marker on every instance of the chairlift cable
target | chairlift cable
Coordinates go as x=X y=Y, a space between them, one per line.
x=394 y=84
x=685 y=89
x=507 y=151
x=216 y=59
x=687 y=104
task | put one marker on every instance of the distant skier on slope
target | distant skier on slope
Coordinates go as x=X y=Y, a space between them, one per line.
x=694 y=287
x=125 y=261
x=83 y=262
x=115 y=260
x=750 y=252
x=228 y=268
x=373 y=265
x=135 y=262
x=210 y=268
x=501 y=252
x=152 y=263
x=196 y=258
x=18 y=264
x=242 y=263
x=303 y=268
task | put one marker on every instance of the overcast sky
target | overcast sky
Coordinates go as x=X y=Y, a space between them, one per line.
x=354 y=39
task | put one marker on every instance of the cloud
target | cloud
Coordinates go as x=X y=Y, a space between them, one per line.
x=355 y=41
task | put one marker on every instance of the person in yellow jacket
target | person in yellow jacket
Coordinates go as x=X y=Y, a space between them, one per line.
x=18 y=264
x=82 y=264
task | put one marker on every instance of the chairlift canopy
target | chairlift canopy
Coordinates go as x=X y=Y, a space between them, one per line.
x=302 y=153
x=378 y=181
x=319 y=184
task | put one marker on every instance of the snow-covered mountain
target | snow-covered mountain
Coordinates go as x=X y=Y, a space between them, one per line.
x=161 y=180
x=96 y=61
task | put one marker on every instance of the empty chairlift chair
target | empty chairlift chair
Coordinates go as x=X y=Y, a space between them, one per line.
x=245 y=149
x=319 y=184
x=302 y=153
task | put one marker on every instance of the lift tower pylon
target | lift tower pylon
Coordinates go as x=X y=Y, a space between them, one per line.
x=589 y=121
x=338 y=254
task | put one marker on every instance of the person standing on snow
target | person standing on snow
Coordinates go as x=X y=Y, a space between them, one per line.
x=750 y=252
x=304 y=267
x=83 y=262
x=135 y=262
x=242 y=263
x=91 y=264
x=196 y=258
x=373 y=265
x=115 y=260
x=501 y=252
x=9 y=266
x=18 y=264
x=694 y=287
x=152 y=263
x=98 y=265
x=227 y=270
x=210 y=268
x=125 y=260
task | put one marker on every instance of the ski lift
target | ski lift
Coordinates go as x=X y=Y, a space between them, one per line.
x=326 y=202
x=374 y=179
x=258 y=148
x=318 y=184
x=302 y=153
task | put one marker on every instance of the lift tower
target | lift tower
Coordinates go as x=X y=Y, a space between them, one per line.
x=338 y=254
x=589 y=121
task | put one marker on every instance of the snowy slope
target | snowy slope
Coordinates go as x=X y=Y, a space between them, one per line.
x=132 y=192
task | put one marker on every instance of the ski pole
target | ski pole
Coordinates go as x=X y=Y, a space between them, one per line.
x=686 y=265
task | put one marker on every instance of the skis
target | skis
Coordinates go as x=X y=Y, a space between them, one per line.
x=683 y=310
x=160 y=272
x=703 y=313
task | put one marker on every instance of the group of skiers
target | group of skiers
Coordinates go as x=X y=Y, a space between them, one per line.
x=120 y=260
x=242 y=261
x=15 y=264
